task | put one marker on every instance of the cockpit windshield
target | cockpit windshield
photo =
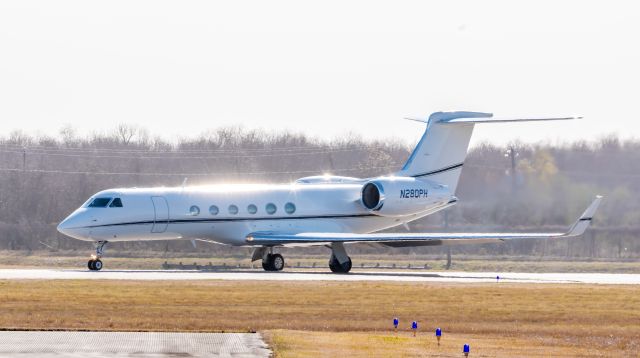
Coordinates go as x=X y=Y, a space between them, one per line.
x=116 y=203
x=99 y=203
x=104 y=202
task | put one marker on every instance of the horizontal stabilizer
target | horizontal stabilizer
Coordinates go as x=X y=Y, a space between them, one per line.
x=481 y=117
x=447 y=116
x=506 y=120
x=414 y=239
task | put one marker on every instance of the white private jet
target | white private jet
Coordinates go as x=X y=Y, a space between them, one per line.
x=322 y=210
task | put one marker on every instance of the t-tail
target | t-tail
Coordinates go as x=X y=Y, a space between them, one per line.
x=440 y=154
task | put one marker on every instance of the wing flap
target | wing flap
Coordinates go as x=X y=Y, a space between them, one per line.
x=324 y=238
x=414 y=239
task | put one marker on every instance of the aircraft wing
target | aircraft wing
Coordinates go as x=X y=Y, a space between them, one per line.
x=415 y=239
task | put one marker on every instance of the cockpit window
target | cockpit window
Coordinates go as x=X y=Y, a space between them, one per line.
x=100 y=203
x=116 y=203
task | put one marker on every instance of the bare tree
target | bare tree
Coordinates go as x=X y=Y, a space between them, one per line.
x=126 y=132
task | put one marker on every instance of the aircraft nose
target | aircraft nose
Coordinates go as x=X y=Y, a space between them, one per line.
x=72 y=226
x=64 y=227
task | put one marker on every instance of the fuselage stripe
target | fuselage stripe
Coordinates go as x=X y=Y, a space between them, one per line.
x=446 y=169
x=212 y=220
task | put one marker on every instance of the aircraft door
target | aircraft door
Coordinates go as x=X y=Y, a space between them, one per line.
x=161 y=214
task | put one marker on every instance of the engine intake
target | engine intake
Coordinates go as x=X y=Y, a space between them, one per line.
x=372 y=196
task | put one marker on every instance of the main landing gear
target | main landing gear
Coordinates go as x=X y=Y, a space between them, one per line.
x=270 y=261
x=337 y=267
x=273 y=262
x=95 y=264
x=339 y=262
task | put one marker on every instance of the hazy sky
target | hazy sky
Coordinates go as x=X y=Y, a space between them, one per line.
x=323 y=68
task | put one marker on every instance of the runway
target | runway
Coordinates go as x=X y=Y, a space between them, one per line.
x=289 y=275
x=27 y=344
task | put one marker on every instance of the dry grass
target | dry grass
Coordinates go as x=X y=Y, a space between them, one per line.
x=532 y=318
x=298 y=344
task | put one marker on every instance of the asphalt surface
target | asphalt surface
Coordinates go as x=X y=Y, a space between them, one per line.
x=27 y=344
x=290 y=275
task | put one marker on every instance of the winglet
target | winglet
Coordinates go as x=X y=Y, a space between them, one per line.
x=585 y=220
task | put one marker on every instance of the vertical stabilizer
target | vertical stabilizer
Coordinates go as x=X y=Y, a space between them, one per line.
x=441 y=152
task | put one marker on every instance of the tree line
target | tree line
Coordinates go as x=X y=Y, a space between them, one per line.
x=519 y=187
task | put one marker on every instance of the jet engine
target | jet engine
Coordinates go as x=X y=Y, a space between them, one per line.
x=400 y=196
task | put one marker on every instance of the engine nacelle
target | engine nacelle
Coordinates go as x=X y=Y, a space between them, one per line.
x=400 y=196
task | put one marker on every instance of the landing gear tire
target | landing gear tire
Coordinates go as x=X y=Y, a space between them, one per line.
x=337 y=267
x=95 y=265
x=277 y=262
x=265 y=265
x=274 y=262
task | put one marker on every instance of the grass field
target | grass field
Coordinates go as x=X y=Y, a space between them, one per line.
x=294 y=344
x=307 y=319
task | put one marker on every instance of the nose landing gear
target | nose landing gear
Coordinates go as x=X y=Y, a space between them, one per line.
x=95 y=264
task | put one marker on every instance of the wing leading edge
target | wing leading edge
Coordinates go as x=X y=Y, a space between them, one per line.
x=415 y=239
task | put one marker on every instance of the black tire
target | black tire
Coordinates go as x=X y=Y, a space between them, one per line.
x=337 y=267
x=266 y=265
x=97 y=265
x=346 y=267
x=90 y=265
x=334 y=265
x=277 y=262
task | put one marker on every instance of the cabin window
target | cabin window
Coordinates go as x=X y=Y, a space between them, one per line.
x=271 y=208
x=233 y=210
x=213 y=210
x=116 y=203
x=252 y=209
x=100 y=203
x=194 y=210
x=290 y=208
